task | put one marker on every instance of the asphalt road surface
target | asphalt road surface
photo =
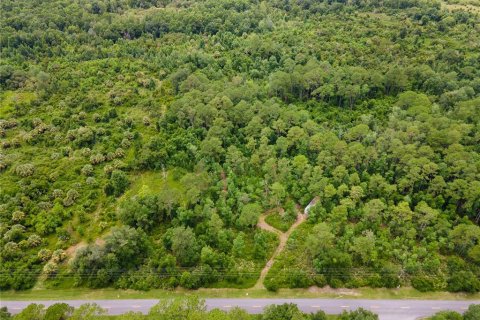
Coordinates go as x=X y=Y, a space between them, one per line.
x=386 y=309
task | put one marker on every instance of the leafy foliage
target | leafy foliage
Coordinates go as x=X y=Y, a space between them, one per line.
x=236 y=108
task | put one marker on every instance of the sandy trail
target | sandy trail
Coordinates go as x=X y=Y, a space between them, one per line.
x=282 y=236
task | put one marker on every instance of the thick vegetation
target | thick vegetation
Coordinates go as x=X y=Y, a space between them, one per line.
x=194 y=309
x=141 y=141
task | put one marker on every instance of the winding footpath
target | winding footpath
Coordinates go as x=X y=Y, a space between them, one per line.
x=282 y=237
x=386 y=309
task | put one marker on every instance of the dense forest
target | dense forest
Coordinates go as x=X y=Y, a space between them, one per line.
x=142 y=140
x=194 y=309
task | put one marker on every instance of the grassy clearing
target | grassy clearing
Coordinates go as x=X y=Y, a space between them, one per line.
x=279 y=222
x=153 y=183
x=361 y=293
x=466 y=5
x=9 y=98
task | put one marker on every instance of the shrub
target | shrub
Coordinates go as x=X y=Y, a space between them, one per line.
x=25 y=170
x=18 y=216
x=119 y=153
x=46 y=222
x=447 y=315
x=298 y=279
x=97 y=158
x=423 y=283
x=10 y=251
x=473 y=312
x=4 y=314
x=463 y=281
x=32 y=312
x=359 y=314
x=87 y=170
x=57 y=193
x=119 y=182
x=15 y=233
x=3 y=165
x=58 y=311
x=44 y=254
x=249 y=215
x=34 y=241
x=188 y=281
x=58 y=255
x=72 y=195
x=271 y=284
x=286 y=311
x=50 y=269
x=319 y=315
x=91 y=181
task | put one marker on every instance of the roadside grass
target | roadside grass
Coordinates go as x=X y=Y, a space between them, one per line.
x=110 y=293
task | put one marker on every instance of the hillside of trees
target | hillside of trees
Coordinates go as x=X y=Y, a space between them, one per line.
x=141 y=140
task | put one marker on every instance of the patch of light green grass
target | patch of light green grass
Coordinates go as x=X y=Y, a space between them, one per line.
x=153 y=182
x=279 y=222
x=110 y=293
x=9 y=98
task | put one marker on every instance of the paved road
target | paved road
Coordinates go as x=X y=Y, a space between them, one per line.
x=386 y=309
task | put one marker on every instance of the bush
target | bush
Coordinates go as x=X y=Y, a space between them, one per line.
x=18 y=216
x=44 y=255
x=298 y=279
x=59 y=255
x=249 y=216
x=423 y=283
x=97 y=158
x=463 y=281
x=87 y=311
x=286 y=311
x=473 y=312
x=58 y=311
x=319 y=315
x=25 y=170
x=72 y=195
x=188 y=281
x=447 y=315
x=32 y=312
x=4 y=314
x=34 y=241
x=119 y=182
x=271 y=284
x=390 y=276
x=11 y=250
x=320 y=280
x=335 y=283
x=50 y=269
x=359 y=314
x=187 y=308
x=87 y=170
x=142 y=212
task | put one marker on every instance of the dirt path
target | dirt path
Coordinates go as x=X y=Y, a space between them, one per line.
x=262 y=224
x=282 y=236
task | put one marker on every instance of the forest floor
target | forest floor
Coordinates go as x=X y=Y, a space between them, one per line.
x=282 y=237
